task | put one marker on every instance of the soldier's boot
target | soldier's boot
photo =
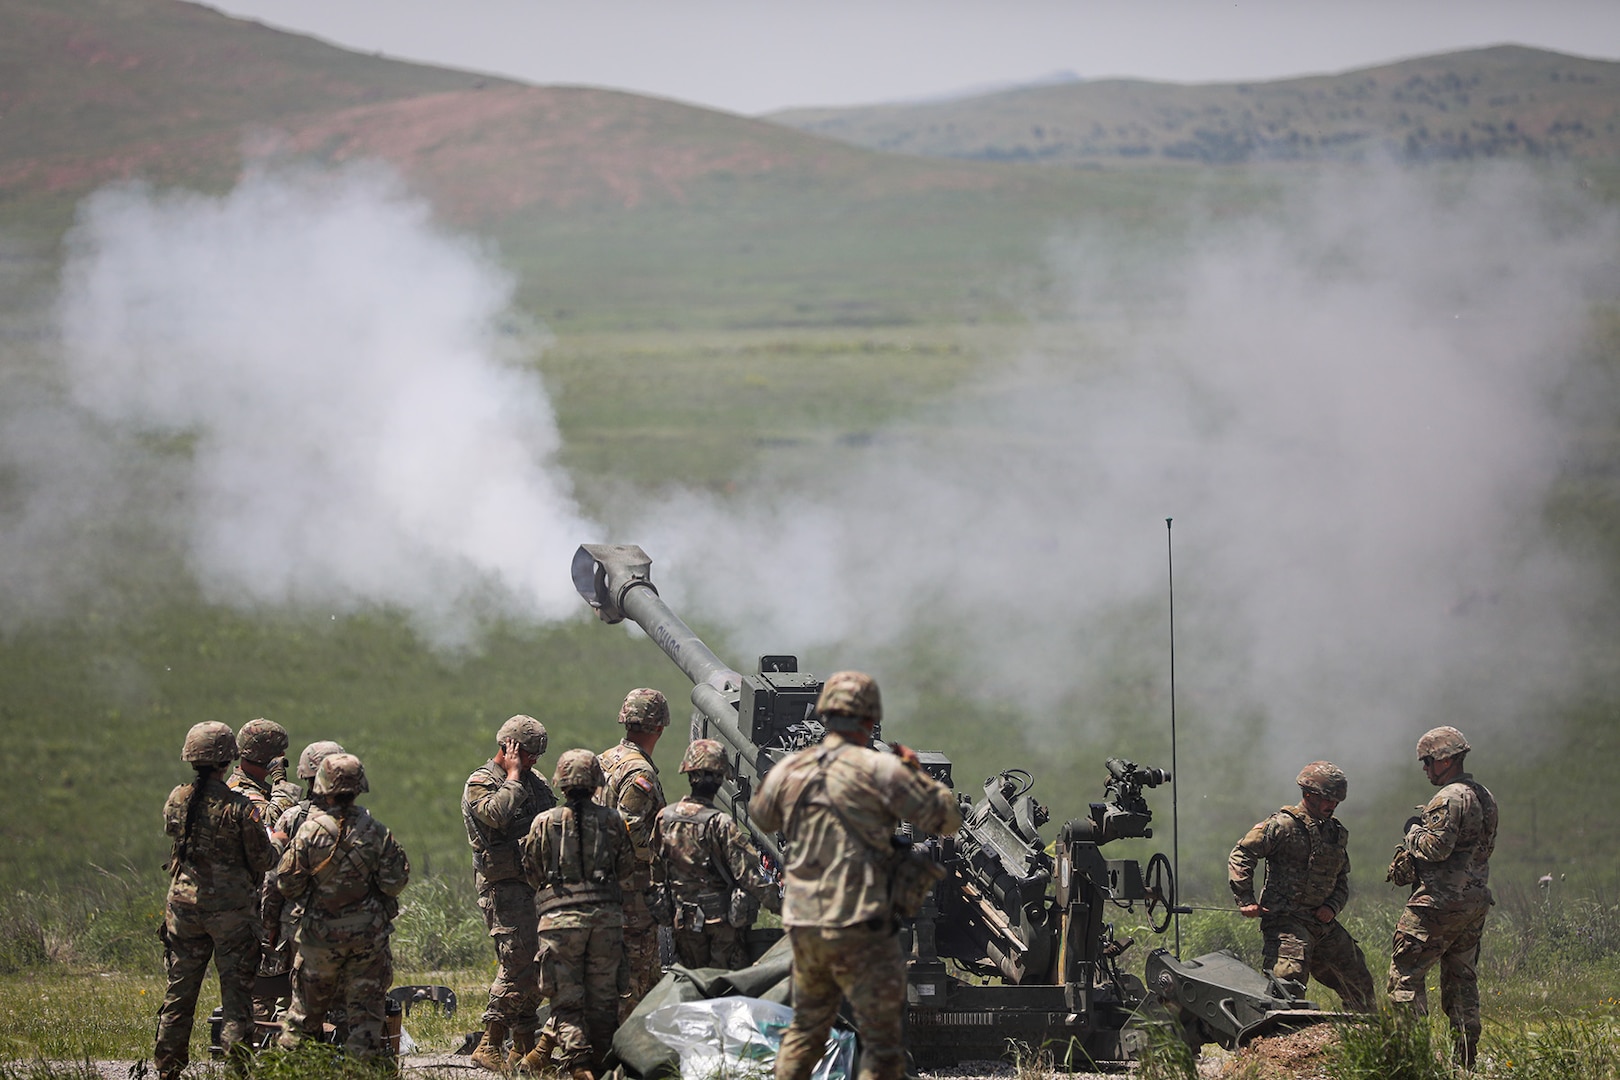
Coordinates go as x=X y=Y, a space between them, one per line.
x=491 y=1052
x=522 y=1043
x=1466 y=1050
x=538 y=1059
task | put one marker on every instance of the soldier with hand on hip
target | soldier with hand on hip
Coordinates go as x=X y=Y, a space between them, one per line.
x=1307 y=885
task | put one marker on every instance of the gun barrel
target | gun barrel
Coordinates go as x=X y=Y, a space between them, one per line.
x=615 y=579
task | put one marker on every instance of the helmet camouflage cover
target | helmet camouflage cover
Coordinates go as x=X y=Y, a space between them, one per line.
x=526 y=731
x=310 y=760
x=1325 y=779
x=578 y=770
x=1442 y=743
x=341 y=774
x=262 y=741
x=705 y=755
x=849 y=696
x=644 y=709
x=209 y=743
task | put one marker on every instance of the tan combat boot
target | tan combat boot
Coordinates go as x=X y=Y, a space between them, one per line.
x=538 y=1059
x=491 y=1052
x=522 y=1043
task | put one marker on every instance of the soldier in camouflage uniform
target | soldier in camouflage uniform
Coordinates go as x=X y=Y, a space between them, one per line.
x=347 y=871
x=1307 y=884
x=1446 y=852
x=500 y=800
x=580 y=860
x=839 y=804
x=708 y=870
x=219 y=856
x=261 y=775
x=280 y=917
x=632 y=788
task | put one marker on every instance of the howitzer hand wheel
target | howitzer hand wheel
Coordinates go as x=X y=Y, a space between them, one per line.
x=1159 y=882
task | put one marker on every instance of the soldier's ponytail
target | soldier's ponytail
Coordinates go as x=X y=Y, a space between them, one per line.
x=198 y=786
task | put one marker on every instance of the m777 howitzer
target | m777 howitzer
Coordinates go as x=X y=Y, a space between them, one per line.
x=1029 y=928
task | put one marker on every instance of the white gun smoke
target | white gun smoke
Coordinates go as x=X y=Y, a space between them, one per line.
x=361 y=432
x=1353 y=409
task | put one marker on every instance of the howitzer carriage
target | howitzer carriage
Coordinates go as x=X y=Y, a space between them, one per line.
x=1030 y=925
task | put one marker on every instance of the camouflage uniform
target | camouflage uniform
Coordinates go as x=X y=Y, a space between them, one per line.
x=497 y=813
x=219 y=858
x=633 y=790
x=839 y=804
x=702 y=859
x=348 y=871
x=1307 y=867
x=263 y=743
x=580 y=860
x=270 y=798
x=1451 y=848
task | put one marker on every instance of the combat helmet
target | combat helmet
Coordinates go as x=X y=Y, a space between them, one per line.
x=209 y=743
x=341 y=774
x=848 y=699
x=705 y=755
x=1441 y=743
x=526 y=731
x=262 y=741
x=316 y=752
x=644 y=709
x=1325 y=779
x=578 y=770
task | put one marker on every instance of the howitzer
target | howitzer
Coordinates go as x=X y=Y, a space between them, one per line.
x=1007 y=910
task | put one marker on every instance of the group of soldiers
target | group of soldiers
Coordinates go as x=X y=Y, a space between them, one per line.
x=575 y=878
x=574 y=893
x=269 y=877
x=1444 y=856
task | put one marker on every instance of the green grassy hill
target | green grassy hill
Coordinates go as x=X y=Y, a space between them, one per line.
x=1507 y=101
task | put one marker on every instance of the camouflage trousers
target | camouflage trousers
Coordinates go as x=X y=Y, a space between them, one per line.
x=717 y=945
x=353 y=977
x=1302 y=947
x=867 y=967
x=1425 y=935
x=508 y=908
x=190 y=939
x=640 y=950
x=582 y=971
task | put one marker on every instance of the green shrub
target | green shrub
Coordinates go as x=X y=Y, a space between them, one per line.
x=439 y=927
x=1389 y=1046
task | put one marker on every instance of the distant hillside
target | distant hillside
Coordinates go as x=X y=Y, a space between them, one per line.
x=94 y=90
x=1500 y=102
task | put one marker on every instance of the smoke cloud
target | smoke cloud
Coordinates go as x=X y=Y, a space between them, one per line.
x=1352 y=413
x=1353 y=409
x=346 y=376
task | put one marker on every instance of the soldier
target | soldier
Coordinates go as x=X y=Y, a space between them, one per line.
x=218 y=860
x=281 y=918
x=261 y=775
x=580 y=860
x=501 y=798
x=708 y=869
x=632 y=788
x=1445 y=856
x=347 y=871
x=1307 y=884
x=839 y=804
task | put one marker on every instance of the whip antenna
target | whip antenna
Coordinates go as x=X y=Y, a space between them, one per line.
x=1175 y=768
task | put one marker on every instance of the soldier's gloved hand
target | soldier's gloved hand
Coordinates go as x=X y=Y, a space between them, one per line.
x=1325 y=914
x=907 y=755
x=277 y=773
